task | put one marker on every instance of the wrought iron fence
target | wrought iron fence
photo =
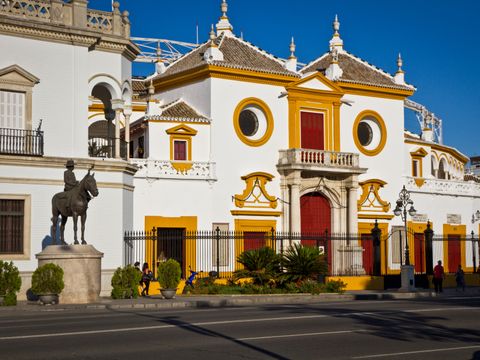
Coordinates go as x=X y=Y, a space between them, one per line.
x=21 y=142
x=346 y=255
x=217 y=251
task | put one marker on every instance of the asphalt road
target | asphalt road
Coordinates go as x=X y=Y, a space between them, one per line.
x=435 y=328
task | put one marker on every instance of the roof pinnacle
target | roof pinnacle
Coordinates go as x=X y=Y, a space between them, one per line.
x=336 y=41
x=292 y=49
x=399 y=77
x=213 y=53
x=223 y=25
x=159 y=65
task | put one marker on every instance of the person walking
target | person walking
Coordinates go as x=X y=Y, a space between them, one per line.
x=438 y=276
x=146 y=278
x=460 y=278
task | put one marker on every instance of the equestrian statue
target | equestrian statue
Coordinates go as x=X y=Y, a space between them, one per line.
x=73 y=201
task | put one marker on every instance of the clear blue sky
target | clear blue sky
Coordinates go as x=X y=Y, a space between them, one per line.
x=438 y=39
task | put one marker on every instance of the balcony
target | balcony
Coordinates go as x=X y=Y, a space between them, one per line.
x=102 y=147
x=443 y=187
x=319 y=161
x=21 y=142
x=164 y=169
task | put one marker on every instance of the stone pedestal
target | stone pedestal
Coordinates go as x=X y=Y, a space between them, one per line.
x=81 y=265
x=408 y=278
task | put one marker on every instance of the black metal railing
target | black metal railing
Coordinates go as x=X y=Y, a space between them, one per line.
x=102 y=147
x=21 y=142
x=363 y=254
x=218 y=250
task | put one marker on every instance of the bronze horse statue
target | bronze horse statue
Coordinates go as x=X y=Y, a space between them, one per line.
x=77 y=206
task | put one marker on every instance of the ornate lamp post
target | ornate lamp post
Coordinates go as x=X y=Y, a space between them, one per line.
x=401 y=210
x=475 y=218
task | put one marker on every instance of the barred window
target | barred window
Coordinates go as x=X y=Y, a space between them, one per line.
x=12 y=213
x=223 y=244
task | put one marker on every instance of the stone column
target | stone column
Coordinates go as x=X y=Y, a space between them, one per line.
x=82 y=268
x=352 y=210
x=295 y=205
x=127 y=112
x=117 y=105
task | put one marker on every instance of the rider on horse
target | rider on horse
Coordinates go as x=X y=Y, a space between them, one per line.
x=70 y=182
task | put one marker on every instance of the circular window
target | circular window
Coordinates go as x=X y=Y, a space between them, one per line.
x=369 y=133
x=364 y=133
x=253 y=122
x=248 y=122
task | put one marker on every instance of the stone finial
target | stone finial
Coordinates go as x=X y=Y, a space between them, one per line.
x=116 y=7
x=334 y=71
x=151 y=88
x=213 y=53
x=336 y=41
x=291 y=63
x=399 y=77
x=223 y=25
x=292 y=49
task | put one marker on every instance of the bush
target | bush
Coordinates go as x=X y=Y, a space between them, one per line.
x=169 y=273
x=48 y=279
x=125 y=282
x=335 y=286
x=303 y=262
x=10 y=282
x=310 y=286
x=262 y=265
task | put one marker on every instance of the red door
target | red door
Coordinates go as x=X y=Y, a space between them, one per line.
x=419 y=249
x=312 y=131
x=253 y=240
x=367 y=255
x=454 y=257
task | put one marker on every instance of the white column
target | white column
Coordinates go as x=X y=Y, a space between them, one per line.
x=127 y=112
x=352 y=211
x=285 y=205
x=117 y=105
x=295 y=205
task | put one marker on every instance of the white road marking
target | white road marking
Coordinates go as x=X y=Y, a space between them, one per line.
x=305 y=334
x=416 y=352
x=224 y=322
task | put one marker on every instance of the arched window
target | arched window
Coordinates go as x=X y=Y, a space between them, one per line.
x=441 y=170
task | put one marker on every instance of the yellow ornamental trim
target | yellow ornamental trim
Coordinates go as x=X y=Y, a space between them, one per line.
x=383 y=133
x=255 y=194
x=268 y=119
x=370 y=200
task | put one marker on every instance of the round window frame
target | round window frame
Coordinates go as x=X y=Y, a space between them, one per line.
x=242 y=105
x=256 y=126
x=381 y=127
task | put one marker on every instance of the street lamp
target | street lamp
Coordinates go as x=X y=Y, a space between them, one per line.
x=401 y=210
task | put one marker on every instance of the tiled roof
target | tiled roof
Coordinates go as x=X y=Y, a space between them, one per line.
x=178 y=110
x=237 y=54
x=138 y=87
x=355 y=70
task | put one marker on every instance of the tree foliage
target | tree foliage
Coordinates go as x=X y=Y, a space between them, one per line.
x=125 y=282
x=169 y=274
x=48 y=279
x=303 y=262
x=262 y=265
x=10 y=282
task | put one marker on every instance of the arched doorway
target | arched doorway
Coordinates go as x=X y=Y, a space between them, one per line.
x=316 y=222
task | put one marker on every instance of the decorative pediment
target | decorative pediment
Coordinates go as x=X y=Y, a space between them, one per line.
x=370 y=200
x=420 y=152
x=16 y=75
x=255 y=194
x=181 y=129
x=315 y=81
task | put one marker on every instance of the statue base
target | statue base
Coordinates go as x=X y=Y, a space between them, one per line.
x=82 y=265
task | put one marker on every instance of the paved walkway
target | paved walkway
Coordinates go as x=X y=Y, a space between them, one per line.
x=216 y=301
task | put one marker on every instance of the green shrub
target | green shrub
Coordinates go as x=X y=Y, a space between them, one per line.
x=310 y=286
x=10 y=282
x=125 y=282
x=47 y=279
x=262 y=265
x=169 y=273
x=302 y=263
x=335 y=286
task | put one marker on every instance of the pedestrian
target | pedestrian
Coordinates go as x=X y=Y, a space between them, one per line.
x=460 y=278
x=146 y=278
x=438 y=276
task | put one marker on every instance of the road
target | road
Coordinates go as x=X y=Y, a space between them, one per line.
x=434 y=328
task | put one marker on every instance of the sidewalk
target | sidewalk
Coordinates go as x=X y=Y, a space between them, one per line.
x=219 y=301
